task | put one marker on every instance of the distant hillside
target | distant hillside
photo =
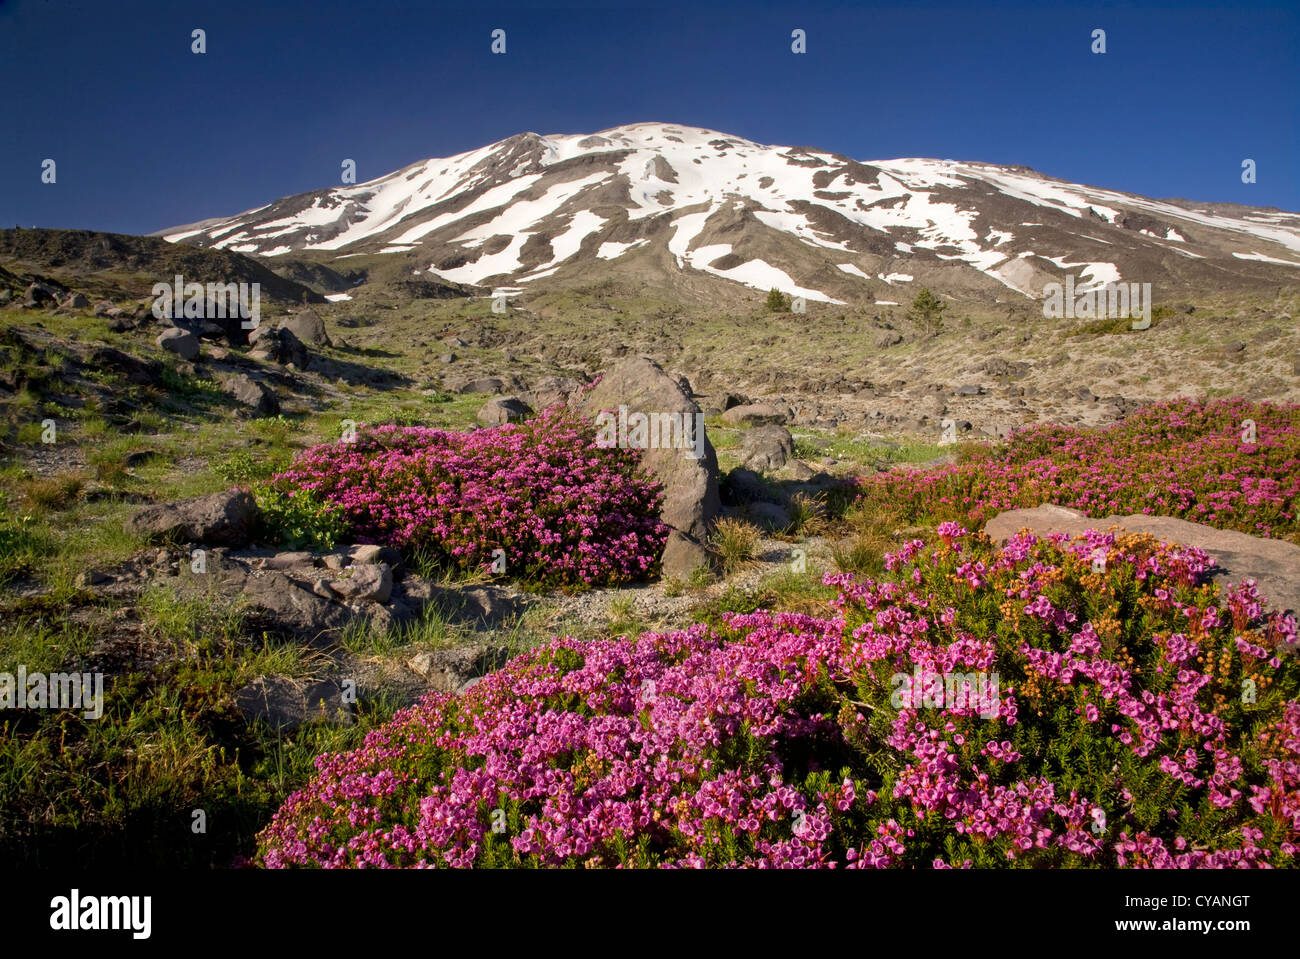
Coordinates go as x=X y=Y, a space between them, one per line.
x=116 y=265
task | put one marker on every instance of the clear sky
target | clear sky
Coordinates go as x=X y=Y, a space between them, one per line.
x=147 y=134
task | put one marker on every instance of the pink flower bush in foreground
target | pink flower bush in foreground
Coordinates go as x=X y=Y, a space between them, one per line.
x=1141 y=718
x=1181 y=458
x=566 y=512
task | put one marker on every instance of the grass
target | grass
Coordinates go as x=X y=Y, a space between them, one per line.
x=122 y=790
x=735 y=542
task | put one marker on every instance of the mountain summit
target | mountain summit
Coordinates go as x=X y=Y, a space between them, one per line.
x=695 y=207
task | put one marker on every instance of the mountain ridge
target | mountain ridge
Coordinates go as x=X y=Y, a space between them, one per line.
x=813 y=223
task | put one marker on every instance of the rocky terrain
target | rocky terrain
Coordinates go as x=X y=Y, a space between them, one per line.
x=144 y=535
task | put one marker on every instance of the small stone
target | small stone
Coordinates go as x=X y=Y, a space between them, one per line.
x=181 y=342
x=365 y=584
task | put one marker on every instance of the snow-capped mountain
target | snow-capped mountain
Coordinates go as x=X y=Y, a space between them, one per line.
x=693 y=202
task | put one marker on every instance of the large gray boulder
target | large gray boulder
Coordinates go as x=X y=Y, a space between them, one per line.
x=766 y=448
x=256 y=395
x=307 y=326
x=690 y=484
x=503 y=409
x=219 y=519
x=292 y=351
x=1274 y=564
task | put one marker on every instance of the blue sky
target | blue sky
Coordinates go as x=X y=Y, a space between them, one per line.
x=147 y=134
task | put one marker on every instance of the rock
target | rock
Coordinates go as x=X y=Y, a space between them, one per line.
x=286 y=704
x=365 y=584
x=766 y=448
x=551 y=391
x=768 y=515
x=38 y=295
x=799 y=471
x=503 y=409
x=449 y=670
x=308 y=327
x=753 y=414
x=181 y=342
x=487 y=384
x=690 y=484
x=1274 y=564
x=106 y=308
x=77 y=301
x=208 y=330
x=485 y=605
x=288 y=560
x=92 y=577
x=291 y=350
x=256 y=395
x=139 y=458
x=969 y=389
x=291 y=604
x=1085 y=394
x=135 y=371
x=261 y=334
x=367 y=554
x=223 y=519
x=744 y=486
x=887 y=339
x=933 y=405
x=448 y=358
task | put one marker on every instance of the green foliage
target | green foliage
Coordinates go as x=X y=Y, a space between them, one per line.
x=735 y=542
x=777 y=302
x=927 y=311
x=241 y=468
x=298 y=520
x=22 y=542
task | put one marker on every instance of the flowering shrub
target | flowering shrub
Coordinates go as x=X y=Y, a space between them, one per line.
x=564 y=511
x=1180 y=458
x=1141 y=718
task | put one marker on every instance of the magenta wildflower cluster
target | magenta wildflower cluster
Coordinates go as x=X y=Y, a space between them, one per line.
x=564 y=511
x=1144 y=719
x=1230 y=464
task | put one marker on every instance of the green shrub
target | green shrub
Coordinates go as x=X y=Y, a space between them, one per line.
x=299 y=520
x=777 y=302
